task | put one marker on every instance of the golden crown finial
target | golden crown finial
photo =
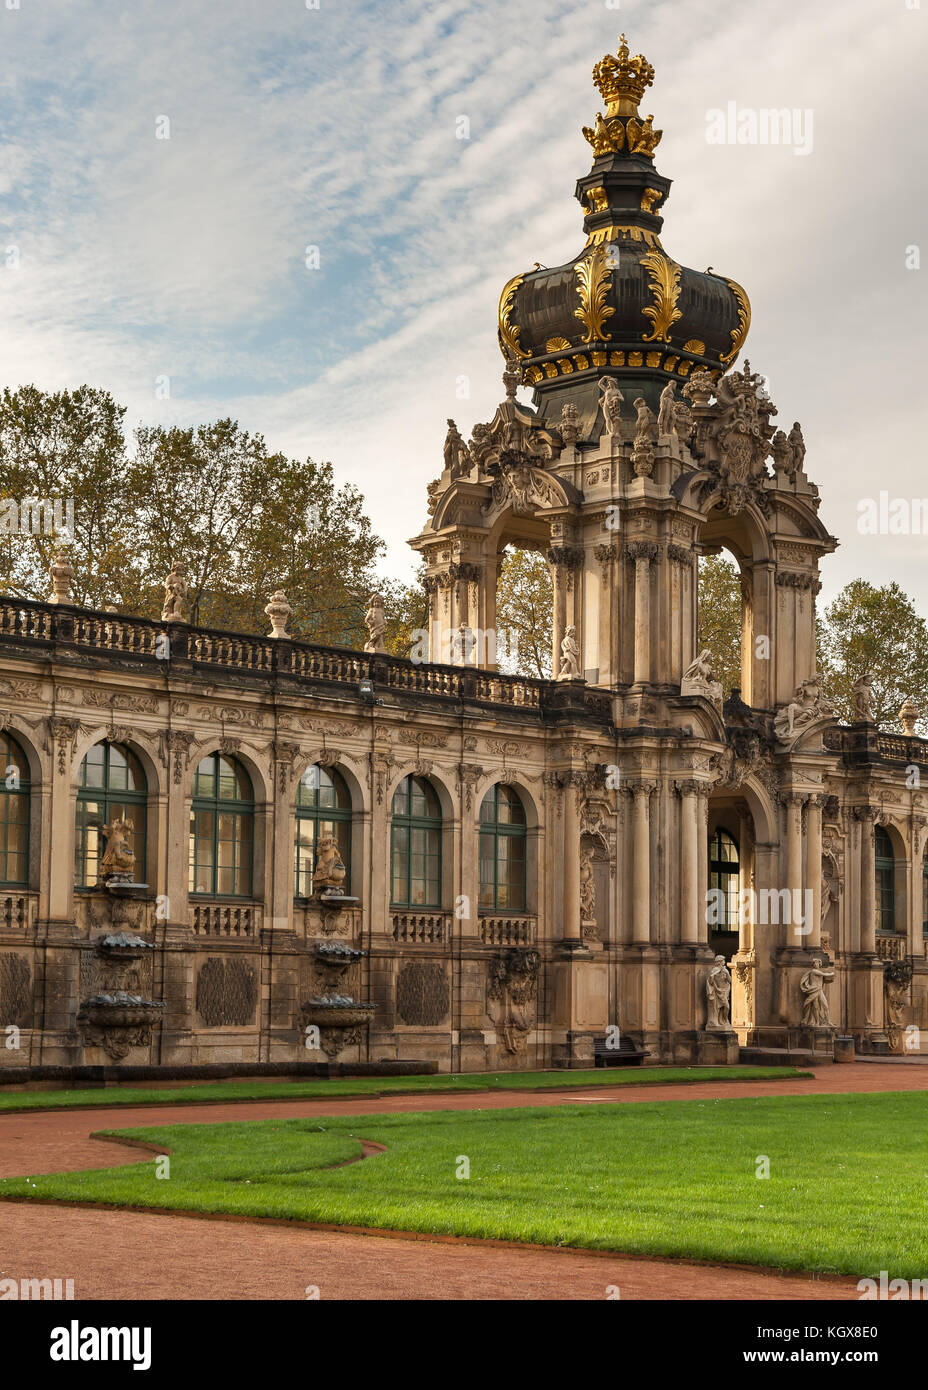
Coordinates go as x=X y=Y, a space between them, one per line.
x=622 y=80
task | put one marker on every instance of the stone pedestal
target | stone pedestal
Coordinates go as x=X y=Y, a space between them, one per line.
x=715 y=1047
x=581 y=1006
x=813 y=1039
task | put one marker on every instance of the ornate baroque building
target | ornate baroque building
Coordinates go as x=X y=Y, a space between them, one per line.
x=221 y=848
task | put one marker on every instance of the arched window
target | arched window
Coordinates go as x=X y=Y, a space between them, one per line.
x=14 y=813
x=885 y=881
x=724 y=876
x=221 y=829
x=502 y=851
x=323 y=807
x=415 y=845
x=111 y=785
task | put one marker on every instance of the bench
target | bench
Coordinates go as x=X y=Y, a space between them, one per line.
x=626 y=1054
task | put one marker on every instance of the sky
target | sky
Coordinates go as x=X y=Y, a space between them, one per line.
x=265 y=209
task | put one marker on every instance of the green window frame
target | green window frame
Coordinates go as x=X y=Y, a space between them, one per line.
x=110 y=784
x=415 y=845
x=885 y=866
x=222 y=816
x=15 y=807
x=503 y=839
x=323 y=807
x=725 y=876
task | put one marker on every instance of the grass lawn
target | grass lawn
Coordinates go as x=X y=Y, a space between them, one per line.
x=846 y=1191
x=325 y=1089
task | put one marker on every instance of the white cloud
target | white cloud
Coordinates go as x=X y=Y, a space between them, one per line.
x=337 y=127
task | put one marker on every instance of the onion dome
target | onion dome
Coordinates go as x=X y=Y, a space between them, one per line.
x=622 y=307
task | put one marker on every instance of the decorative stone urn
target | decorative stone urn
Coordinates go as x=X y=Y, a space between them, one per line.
x=119 y=1021
x=279 y=611
x=341 y=1021
x=908 y=715
x=333 y=959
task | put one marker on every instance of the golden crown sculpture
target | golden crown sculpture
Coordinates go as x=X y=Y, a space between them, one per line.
x=622 y=80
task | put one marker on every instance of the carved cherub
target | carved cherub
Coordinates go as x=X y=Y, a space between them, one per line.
x=119 y=857
x=329 y=871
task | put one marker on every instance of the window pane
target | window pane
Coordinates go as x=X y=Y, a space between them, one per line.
x=92 y=766
x=401 y=798
x=204 y=783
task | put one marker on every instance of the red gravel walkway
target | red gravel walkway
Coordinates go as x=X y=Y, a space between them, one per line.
x=188 y=1257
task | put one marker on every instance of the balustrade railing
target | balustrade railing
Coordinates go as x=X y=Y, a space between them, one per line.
x=124 y=635
x=421 y=926
x=236 y=920
x=507 y=931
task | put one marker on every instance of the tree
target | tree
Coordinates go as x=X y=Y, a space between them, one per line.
x=65 y=452
x=407 y=613
x=244 y=522
x=524 y=613
x=874 y=632
x=718 y=623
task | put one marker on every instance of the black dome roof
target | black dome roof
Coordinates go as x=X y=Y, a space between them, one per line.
x=622 y=307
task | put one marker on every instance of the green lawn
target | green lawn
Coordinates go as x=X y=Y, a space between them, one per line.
x=325 y=1089
x=846 y=1191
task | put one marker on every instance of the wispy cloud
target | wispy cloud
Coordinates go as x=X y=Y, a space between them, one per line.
x=337 y=128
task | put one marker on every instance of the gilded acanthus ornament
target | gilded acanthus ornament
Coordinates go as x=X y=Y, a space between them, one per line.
x=593 y=276
x=664 y=277
x=740 y=331
x=508 y=331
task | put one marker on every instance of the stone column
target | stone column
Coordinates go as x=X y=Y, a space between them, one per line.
x=794 y=803
x=571 y=851
x=558 y=627
x=814 y=867
x=867 y=938
x=643 y=554
x=606 y=555
x=692 y=903
x=63 y=733
x=641 y=861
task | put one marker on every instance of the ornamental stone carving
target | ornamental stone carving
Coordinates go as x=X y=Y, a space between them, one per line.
x=512 y=987
x=697 y=680
x=227 y=992
x=174 y=608
x=422 y=994
x=807 y=708
x=718 y=997
x=814 y=1002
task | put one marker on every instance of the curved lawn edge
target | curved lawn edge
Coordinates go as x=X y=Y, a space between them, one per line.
x=235 y=1092
x=814 y=1276
x=405 y=1199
